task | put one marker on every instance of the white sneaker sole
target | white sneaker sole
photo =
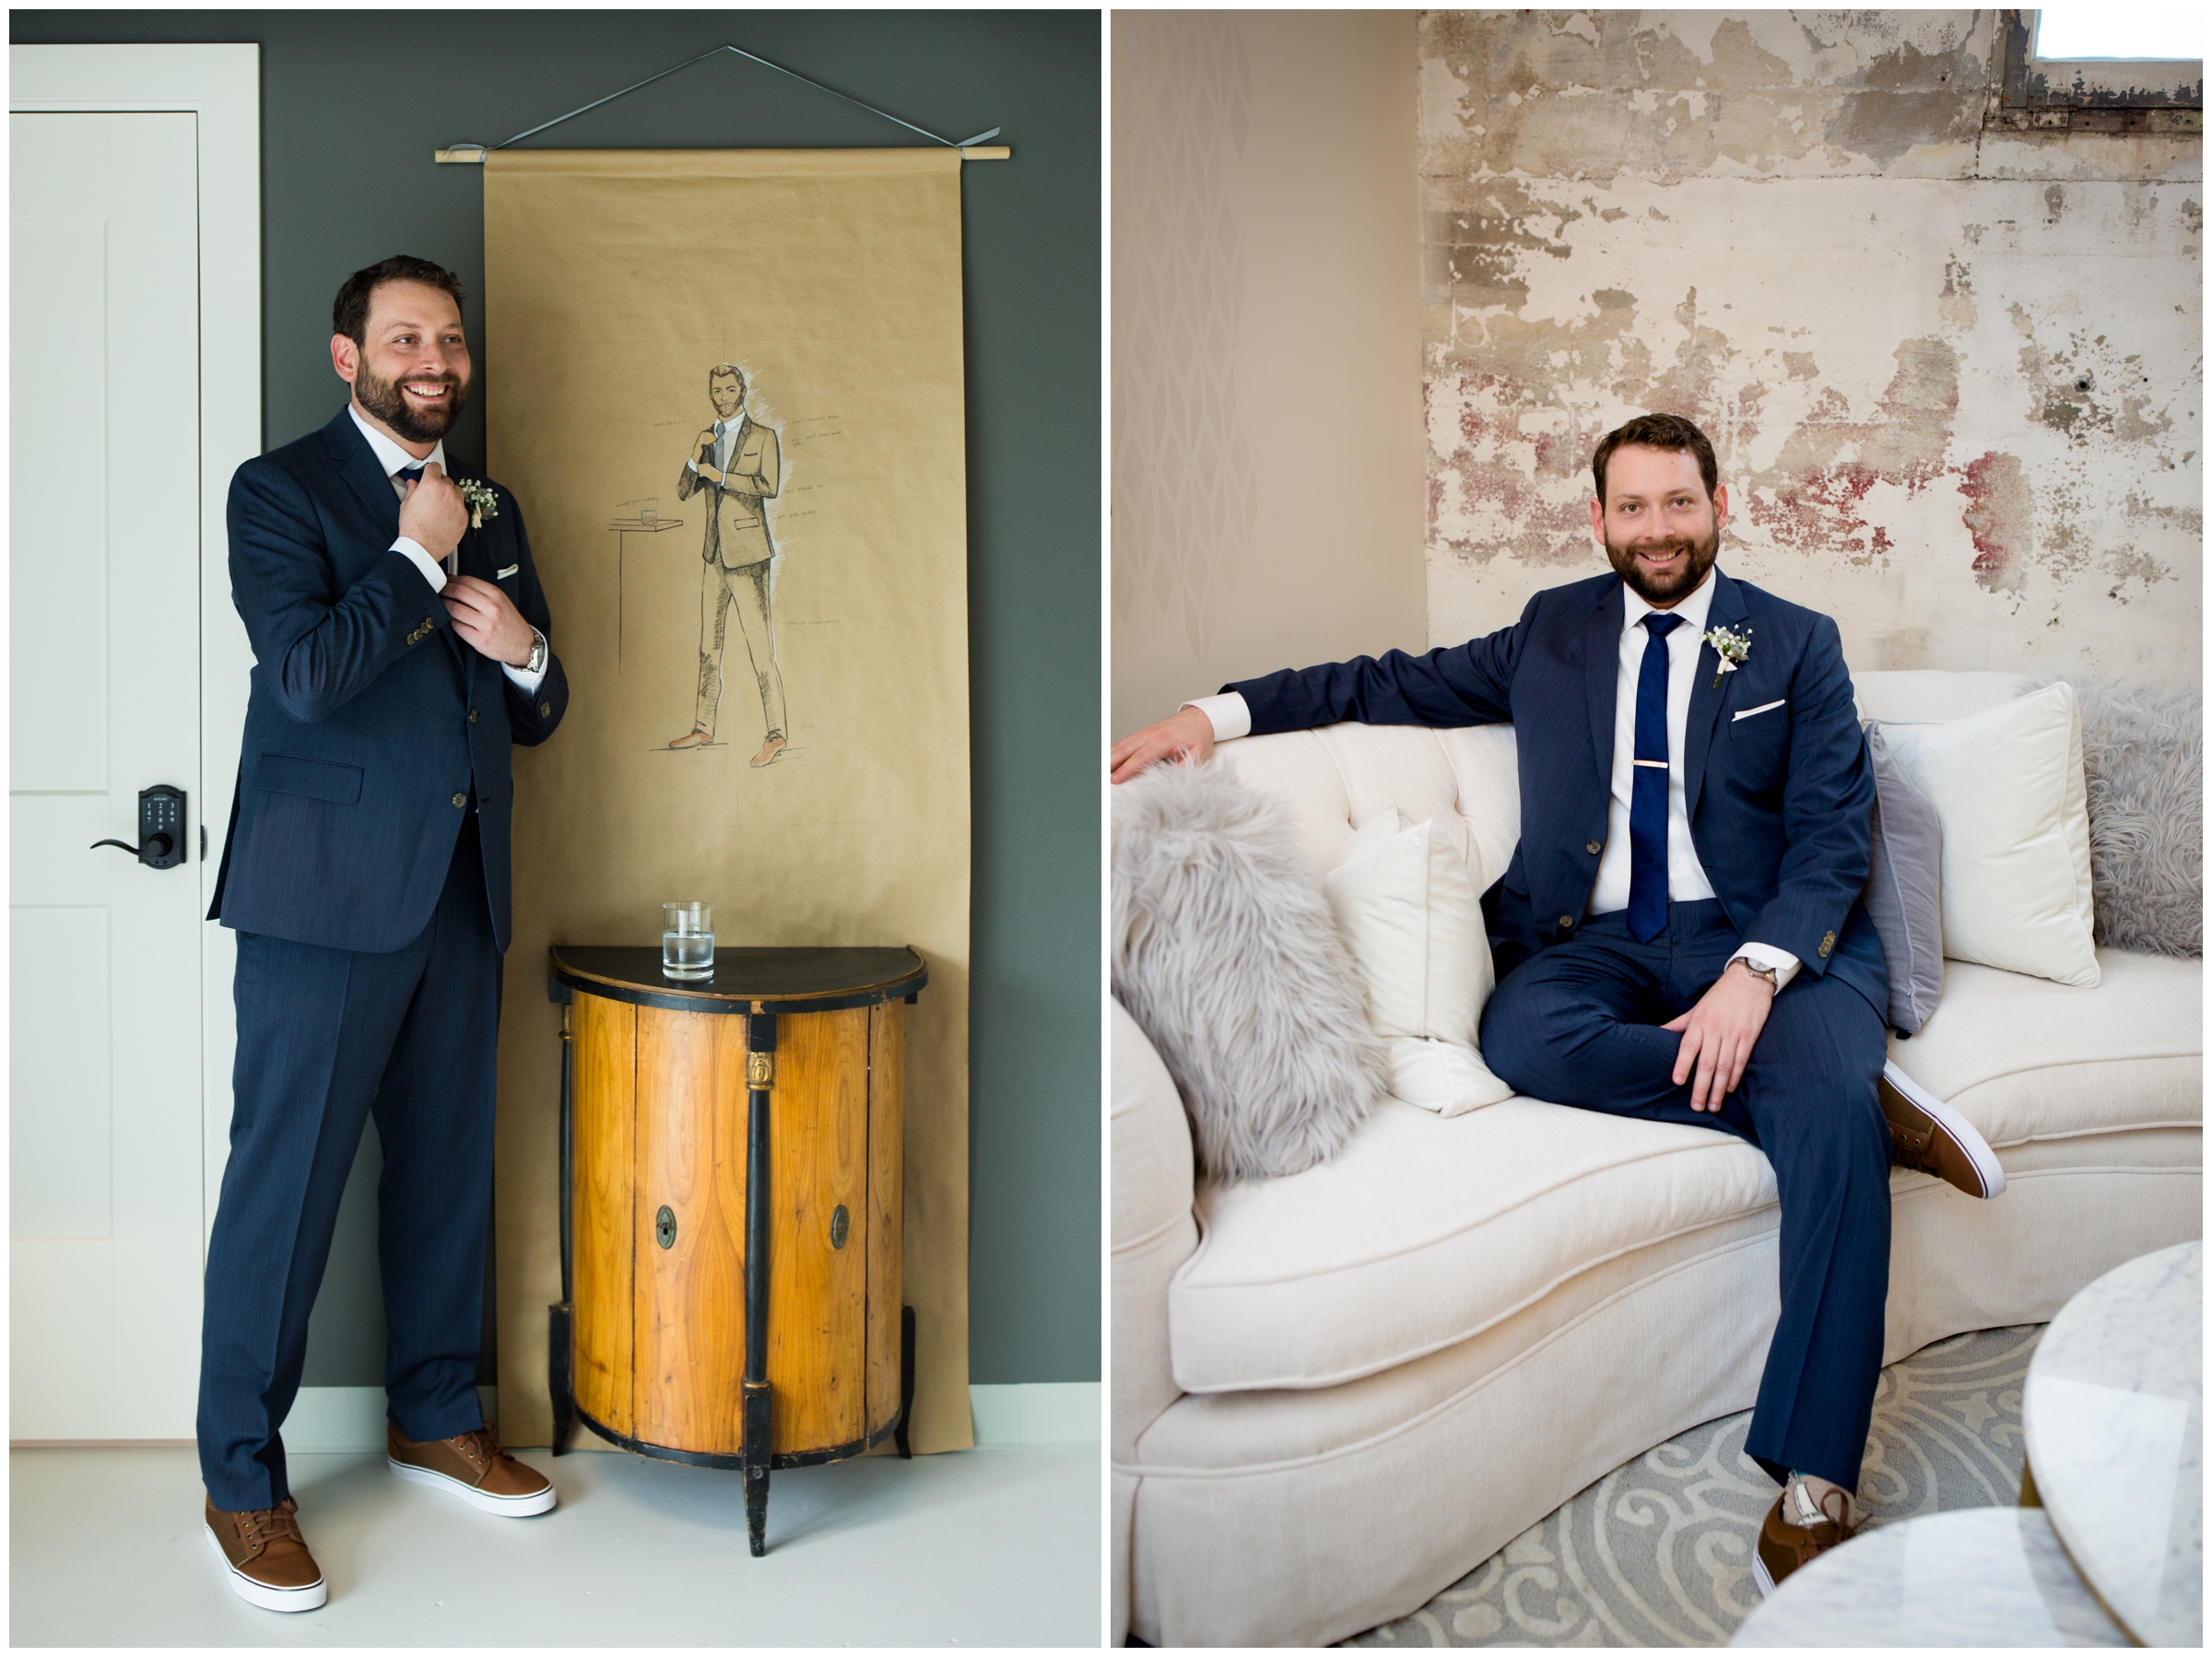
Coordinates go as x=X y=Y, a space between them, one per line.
x=1759 y=1574
x=509 y=1507
x=1970 y=1140
x=309 y=1598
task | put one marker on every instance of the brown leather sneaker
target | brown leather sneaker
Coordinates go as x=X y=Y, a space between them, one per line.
x=1783 y=1546
x=1927 y=1135
x=474 y=1468
x=264 y=1557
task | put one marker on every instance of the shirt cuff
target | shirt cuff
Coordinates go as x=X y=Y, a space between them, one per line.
x=1227 y=714
x=432 y=570
x=1785 y=965
x=692 y=466
x=524 y=680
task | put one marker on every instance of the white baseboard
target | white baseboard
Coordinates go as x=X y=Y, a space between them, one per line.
x=332 y=1419
x=325 y=1420
x=1037 y=1412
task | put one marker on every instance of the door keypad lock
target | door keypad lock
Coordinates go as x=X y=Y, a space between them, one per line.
x=161 y=828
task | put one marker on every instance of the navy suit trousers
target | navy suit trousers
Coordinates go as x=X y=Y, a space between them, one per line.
x=326 y=1037
x=1577 y=1024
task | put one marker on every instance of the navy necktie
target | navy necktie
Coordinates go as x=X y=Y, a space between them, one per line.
x=407 y=474
x=1647 y=788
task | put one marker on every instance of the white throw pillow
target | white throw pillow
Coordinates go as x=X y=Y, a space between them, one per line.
x=1408 y=907
x=2008 y=786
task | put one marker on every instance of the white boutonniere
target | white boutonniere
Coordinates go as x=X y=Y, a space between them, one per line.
x=483 y=501
x=1731 y=647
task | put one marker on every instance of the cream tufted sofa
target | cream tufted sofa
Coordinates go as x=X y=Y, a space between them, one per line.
x=1335 y=1394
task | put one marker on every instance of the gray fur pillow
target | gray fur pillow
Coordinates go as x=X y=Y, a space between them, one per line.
x=1226 y=954
x=2142 y=752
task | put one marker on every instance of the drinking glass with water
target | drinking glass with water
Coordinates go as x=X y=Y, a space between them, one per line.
x=687 y=940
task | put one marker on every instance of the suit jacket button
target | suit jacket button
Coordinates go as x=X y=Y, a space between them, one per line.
x=471 y=716
x=460 y=799
x=545 y=710
x=1594 y=848
x=1827 y=944
x=1566 y=920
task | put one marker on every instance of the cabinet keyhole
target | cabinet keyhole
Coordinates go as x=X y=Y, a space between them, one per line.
x=840 y=1223
x=663 y=1227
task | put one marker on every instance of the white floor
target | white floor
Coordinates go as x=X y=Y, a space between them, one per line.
x=997 y=1546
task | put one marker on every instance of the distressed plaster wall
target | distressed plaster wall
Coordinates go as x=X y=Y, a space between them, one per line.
x=1266 y=420
x=1954 y=377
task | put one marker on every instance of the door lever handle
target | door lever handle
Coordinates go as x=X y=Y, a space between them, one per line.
x=161 y=828
x=153 y=852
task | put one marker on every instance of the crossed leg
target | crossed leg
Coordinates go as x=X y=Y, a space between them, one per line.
x=1577 y=1024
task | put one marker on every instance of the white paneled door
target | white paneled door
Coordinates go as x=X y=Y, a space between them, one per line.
x=104 y=663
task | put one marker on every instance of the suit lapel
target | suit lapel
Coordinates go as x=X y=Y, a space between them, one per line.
x=356 y=464
x=1706 y=698
x=1601 y=668
x=474 y=559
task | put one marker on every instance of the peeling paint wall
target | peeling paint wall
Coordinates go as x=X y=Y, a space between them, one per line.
x=1955 y=377
x=1267 y=443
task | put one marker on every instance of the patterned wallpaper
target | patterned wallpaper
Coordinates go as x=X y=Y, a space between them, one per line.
x=1183 y=492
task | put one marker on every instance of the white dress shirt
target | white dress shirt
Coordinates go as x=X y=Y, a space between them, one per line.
x=726 y=439
x=395 y=460
x=1686 y=881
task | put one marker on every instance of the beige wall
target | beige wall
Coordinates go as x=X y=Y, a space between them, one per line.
x=1267 y=458
x=1955 y=376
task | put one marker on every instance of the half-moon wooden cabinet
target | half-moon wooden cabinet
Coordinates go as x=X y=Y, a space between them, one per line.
x=730 y=1192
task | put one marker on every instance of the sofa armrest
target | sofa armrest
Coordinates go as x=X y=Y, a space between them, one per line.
x=1154 y=1230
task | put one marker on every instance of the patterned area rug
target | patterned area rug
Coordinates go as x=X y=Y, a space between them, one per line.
x=1658 y=1553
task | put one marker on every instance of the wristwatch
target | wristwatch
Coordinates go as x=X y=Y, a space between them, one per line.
x=540 y=649
x=1770 y=973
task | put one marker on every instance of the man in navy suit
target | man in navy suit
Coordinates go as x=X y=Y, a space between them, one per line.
x=1679 y=936
x=399 y=638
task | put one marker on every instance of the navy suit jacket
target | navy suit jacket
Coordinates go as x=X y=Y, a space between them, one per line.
x=1779 y=802
x=368 y=714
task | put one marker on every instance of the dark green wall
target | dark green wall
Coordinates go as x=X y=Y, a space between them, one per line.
x=352 y=105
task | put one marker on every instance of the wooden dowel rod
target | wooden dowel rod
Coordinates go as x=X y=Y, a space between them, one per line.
x=974 y=152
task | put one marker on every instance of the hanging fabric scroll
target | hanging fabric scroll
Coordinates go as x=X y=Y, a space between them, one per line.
x=725 y=389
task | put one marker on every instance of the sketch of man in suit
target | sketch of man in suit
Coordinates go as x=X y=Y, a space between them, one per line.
x=739 y=464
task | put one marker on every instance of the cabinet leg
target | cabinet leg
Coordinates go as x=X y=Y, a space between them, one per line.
x=558 y=1358
x=906 y=1383
x=757 y=1422
x=759 y=1429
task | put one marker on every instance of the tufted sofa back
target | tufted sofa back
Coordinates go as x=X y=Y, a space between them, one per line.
x=1335 y=780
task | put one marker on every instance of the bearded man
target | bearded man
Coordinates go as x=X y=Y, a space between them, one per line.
x=399 y=638
x=1679 y=936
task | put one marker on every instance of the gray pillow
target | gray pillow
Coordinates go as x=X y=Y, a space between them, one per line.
x=1226 y=953
x=1904 y=888
x=2143 y=756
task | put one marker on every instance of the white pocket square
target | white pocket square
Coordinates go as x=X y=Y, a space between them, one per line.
x=1763 y=708
x=512 y=568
